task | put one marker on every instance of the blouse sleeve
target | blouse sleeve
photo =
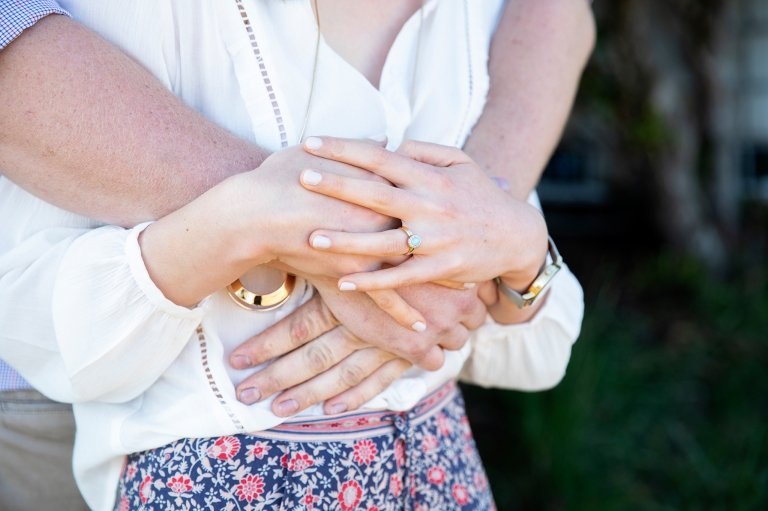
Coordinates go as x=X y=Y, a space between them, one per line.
x=529 y=356
x=85 y=322
x=533 y=355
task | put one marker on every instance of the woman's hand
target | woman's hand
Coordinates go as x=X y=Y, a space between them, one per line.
x=251 y=219
x=470 y=230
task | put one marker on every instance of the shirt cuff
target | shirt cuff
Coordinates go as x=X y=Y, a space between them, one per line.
x=18 y=15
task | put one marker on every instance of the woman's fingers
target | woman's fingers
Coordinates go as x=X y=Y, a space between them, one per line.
x=391 y=243
x=433 y=154
x=299 y=365
x=379 y=140
x=384 y=244
x=407 y=274
x=379 y=197
x=394 y=167
x=344 y=375
x=369 y=388
x=306 y=323
x=393 y=304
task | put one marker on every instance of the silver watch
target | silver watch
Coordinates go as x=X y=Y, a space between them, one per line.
x=541 y=282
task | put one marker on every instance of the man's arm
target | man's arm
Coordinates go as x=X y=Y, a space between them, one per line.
x=87 y=129
x=537 y=56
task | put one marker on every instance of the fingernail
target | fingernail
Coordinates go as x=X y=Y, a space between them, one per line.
x=338 y=408
x=501 y=183
x=419 y=326
x=241 y=362
x=287 y=407
x=249 y=396
x=347 y=286
x=313 y=143
x=311 y=177
x=321 y=242
x=378 y=138
x=469 y=285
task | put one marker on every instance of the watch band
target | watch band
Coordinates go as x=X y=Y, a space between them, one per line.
x=544 y=278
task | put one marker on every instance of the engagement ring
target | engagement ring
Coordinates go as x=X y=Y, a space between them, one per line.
x=414 y=240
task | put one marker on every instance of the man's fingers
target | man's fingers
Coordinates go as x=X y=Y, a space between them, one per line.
x=433 y=360
x=369 y=388
x=346 y=374
x=393 y=304
x=394 y=167
x=488 y=292
x=455 y=285
x=306 y=323
x=455 y=338
x=299 y=366
x=474 y=314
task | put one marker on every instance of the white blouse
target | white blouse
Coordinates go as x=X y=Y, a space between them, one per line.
x=84 y=323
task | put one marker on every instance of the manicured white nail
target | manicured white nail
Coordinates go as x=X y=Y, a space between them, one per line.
x=311 y=178
x=313 y=143
x=469 y=285
x=378 y=138
x=347 y=286
x=419 y=326
x=321 y=242
x=338 y=408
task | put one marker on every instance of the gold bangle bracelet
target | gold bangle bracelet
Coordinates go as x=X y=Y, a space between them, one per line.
x=261 y=303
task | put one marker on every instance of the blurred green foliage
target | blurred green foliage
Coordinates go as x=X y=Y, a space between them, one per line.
x=664 y=407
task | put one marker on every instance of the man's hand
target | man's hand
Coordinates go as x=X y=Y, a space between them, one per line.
x=322 y=359
x=450 y=315
x=359 y=357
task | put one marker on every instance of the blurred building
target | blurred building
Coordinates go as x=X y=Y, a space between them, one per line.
x=753 y=101
x=577 y=189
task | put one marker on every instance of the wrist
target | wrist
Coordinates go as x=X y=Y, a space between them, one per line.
x=247 y=231
x=520 y=281
x=529 y=260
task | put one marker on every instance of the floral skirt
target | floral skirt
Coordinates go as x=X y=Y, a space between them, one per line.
x=424 y=459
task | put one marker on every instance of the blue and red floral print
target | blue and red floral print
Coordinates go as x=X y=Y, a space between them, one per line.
x=421 y=460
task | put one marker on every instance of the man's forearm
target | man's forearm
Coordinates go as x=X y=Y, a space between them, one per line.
x=537 y=57
x=86 y=128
